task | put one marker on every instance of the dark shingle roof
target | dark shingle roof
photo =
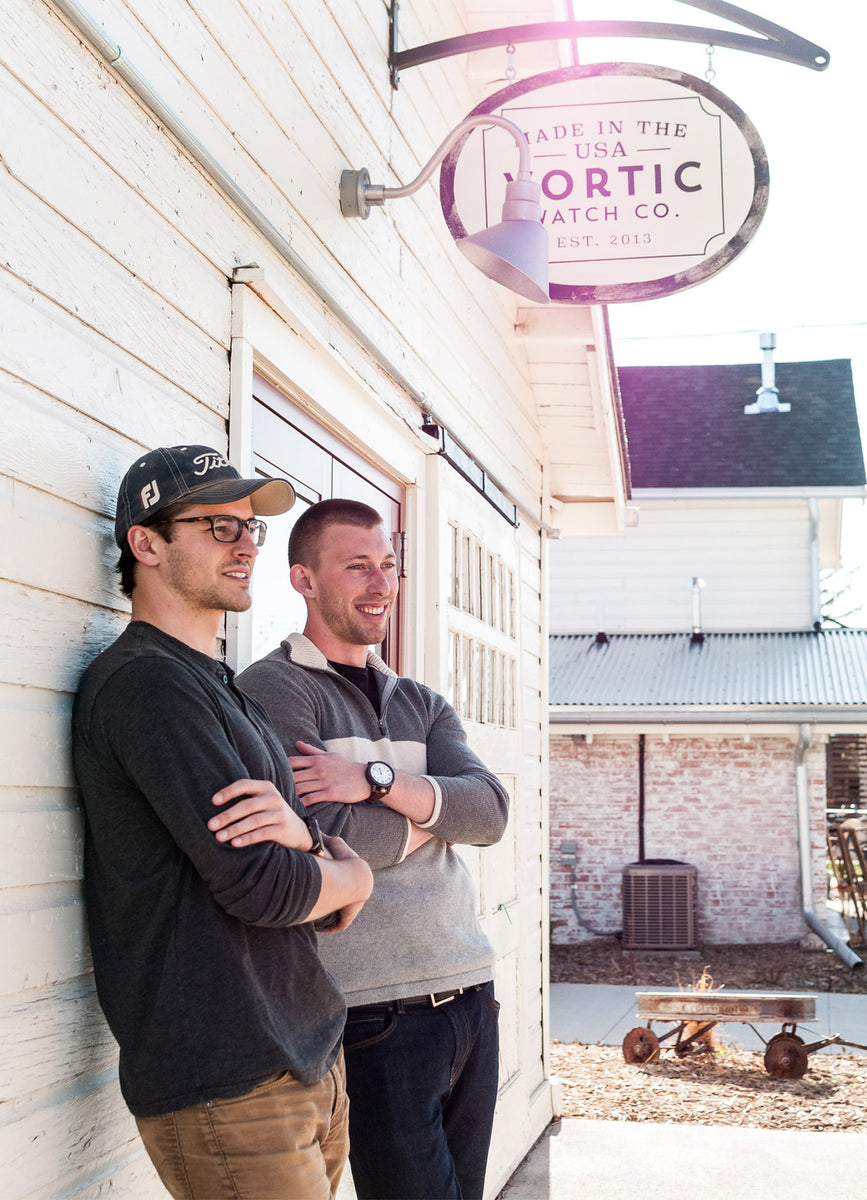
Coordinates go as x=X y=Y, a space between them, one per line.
x=686 y=427
x=754 y=671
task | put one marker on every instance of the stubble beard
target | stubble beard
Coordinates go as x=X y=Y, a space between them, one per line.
x=208 y=597
x=352 y=628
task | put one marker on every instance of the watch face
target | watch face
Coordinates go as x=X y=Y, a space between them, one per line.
x=380 y=773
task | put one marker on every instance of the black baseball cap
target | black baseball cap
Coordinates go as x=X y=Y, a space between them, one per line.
x=197 y=475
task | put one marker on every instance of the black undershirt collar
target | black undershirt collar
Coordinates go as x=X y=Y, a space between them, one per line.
x=364 y=678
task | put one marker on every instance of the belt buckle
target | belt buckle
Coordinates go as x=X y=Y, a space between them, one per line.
x=434 y=1003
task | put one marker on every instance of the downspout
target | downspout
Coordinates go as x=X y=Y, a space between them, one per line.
x=815 y=564
x=840 y=948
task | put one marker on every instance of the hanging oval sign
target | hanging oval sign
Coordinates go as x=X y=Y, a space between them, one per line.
x=652 y=181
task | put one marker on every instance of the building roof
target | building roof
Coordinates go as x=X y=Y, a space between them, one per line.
x=686 y=427
x=801 y=674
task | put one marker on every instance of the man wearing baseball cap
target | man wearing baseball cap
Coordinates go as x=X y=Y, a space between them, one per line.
x=203 y=945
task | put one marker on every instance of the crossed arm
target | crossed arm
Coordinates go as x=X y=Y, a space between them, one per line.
x=456 y=799
x=323 y=776
x=262 y=815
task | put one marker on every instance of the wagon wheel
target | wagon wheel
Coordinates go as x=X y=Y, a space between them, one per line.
x=785 y=1056
x=640 y=1045
x=794 y=1037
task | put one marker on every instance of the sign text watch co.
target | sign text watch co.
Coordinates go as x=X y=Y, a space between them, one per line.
x=652 y=180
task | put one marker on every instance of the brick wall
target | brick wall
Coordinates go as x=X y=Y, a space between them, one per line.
x=725 y=805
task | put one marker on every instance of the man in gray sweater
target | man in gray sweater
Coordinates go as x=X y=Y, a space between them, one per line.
x=383 y=761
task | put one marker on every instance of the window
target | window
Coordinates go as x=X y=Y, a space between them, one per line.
x=846 y=773
x=288 y=442
x=482 y=654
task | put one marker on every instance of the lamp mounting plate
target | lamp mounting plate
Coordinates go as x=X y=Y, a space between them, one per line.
x=353 y=198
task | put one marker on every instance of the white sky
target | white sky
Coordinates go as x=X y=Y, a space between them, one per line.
x=803 y=275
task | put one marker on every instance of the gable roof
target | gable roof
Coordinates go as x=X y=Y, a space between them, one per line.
x=796 y=676
x=686 y=427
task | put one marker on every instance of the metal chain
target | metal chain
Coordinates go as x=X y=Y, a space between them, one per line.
x=710 y=73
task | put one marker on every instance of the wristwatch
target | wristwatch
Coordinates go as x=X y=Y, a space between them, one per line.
x=316 y=833
x=380 y=776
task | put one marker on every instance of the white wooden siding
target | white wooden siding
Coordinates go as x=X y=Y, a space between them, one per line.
x=114 y=336
x=116 y=327
x=511 y=873
x=753 y=556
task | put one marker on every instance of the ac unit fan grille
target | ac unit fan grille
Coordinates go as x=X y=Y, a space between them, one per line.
x=659 y=907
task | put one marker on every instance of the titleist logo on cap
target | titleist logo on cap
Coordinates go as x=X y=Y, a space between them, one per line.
x=208 y=462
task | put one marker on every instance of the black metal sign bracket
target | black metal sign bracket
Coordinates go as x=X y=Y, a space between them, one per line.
x=776 y=41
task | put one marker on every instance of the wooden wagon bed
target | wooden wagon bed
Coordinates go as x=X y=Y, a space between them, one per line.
x=694 y=1014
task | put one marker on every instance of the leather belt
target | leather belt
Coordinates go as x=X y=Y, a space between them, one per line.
x=432 y=999
x=429 y=1000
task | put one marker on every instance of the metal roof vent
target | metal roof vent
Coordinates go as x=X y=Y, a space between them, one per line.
x=767 y=397
x=697 y=631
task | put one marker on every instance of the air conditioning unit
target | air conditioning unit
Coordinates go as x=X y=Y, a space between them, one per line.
x=659 y=901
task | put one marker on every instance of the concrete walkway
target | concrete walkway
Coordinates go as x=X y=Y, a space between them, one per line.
x=630 y=1160
x=627 y=1160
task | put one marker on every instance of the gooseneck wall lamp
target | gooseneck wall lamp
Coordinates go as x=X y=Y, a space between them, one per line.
x=513 y=253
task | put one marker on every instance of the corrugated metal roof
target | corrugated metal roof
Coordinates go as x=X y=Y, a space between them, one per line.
x=827 y=668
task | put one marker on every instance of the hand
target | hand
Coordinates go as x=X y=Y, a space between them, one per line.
x=345 y=917
x=323 y=775
x=262 y=816
x=337 y=851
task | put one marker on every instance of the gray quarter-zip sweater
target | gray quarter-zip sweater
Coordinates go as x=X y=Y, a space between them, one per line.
x=419 y=932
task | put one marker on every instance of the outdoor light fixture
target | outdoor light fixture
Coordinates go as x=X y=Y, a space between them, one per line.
x=513 y=253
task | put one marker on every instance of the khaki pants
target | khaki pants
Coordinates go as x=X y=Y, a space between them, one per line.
x=282 y=1141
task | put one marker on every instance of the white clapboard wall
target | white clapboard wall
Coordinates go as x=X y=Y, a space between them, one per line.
x=116 y=334
x=753 y=555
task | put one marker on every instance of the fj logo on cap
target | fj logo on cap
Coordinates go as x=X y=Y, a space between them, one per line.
x=209 y=462
x=150 y=494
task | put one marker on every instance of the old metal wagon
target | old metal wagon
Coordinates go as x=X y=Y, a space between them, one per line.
x=696 y=1013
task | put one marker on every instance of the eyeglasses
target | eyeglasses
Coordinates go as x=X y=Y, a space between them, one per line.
x=227 y=529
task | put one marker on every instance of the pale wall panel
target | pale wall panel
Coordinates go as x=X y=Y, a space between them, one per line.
x=253 y=89
x=40 y=847
x=127 y=1175
x=43 y=944
x=754 y=558
x=38 y=152
x=47 y=639
x=91 y=376
x=74 y=83
x=34 y=738
x=83 y=280
x=80 y=557
x=89 y=1129
x=58 y=1032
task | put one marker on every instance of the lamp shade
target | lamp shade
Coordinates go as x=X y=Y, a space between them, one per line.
x=514 y=253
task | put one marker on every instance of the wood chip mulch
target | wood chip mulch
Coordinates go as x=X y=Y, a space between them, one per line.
x=728 y=1085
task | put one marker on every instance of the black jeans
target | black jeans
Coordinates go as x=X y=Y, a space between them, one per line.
x=422 y=1090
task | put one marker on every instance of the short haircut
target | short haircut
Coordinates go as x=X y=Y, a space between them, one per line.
x=306 y=535
x=127 y=563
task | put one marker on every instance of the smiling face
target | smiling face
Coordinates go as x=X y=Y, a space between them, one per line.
x=206 y=575
x=351 y=591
